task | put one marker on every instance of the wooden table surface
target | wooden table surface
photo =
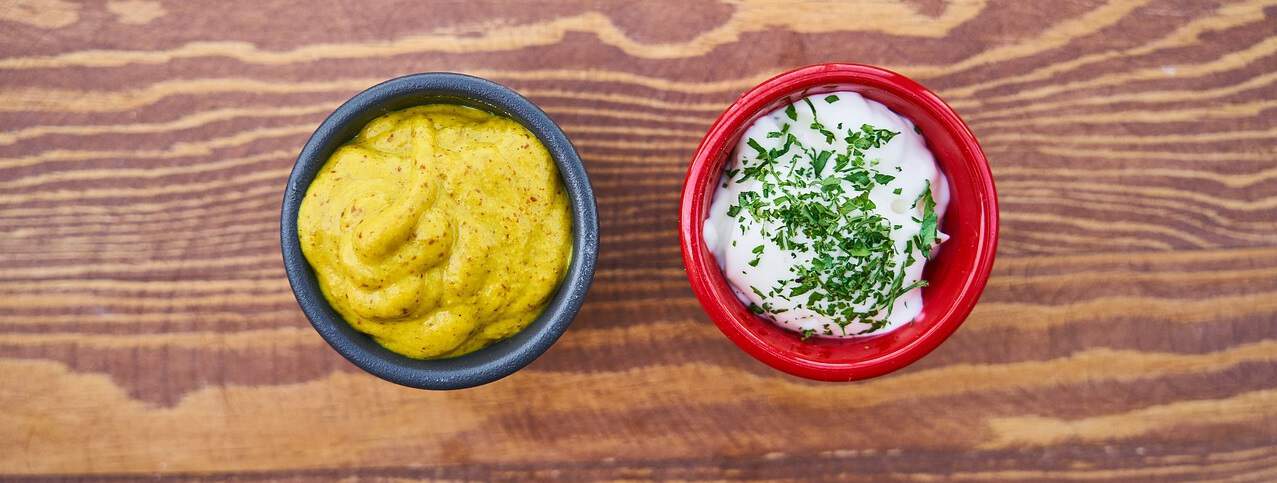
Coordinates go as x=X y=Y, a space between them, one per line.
x=1129 y=331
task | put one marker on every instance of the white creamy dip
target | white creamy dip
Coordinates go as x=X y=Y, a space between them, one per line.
x=852 y=259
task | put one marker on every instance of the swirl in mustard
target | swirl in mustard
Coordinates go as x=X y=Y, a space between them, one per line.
x=438 y=230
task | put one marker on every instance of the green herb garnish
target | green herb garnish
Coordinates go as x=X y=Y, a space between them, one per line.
x=812 y=205
x=818 y=164
x=927 y=234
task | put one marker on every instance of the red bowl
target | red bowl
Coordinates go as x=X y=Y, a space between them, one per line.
x=957 y=274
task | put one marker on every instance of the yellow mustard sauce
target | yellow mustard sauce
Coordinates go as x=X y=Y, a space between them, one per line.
x=438 y=230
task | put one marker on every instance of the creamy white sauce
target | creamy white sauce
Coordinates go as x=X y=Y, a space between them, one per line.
x=905 y=156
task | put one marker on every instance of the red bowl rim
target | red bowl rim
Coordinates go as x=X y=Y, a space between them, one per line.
x=699 y=264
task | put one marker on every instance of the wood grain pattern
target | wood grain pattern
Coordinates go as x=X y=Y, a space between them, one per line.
x=1129 y=331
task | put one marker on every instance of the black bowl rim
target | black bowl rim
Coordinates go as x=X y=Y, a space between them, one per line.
x=500 y=359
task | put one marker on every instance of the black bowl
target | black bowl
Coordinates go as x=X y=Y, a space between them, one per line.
x=504 y=357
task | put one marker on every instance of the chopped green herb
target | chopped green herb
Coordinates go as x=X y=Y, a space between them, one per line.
x=754 y=144
x=928 y=231
x=818 y=164
x=801 y=289
x=810 y=105
x=813 y=206
x=757 y=291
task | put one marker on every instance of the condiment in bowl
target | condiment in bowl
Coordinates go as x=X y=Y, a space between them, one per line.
x=439 y=231
x=818 y=194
